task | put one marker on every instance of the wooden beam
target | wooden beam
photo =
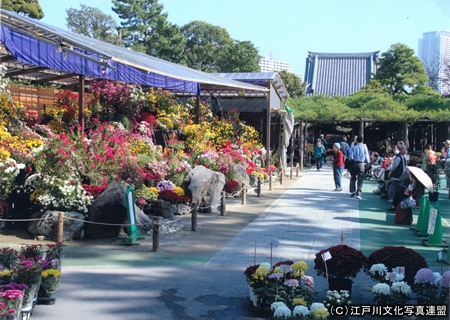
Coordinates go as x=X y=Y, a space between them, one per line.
x=24 y=71
x=55 y=78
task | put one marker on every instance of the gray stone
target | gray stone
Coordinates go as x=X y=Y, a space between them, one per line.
x=110 y=208
x=241 y=175
x=183 y=209
x=48 y=226
x=163 y=208
x=205 y=187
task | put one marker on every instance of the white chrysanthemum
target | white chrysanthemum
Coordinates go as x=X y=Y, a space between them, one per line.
x=315 y=306
x=300 y=311
x=438 y=277
x=267 y=265
x=399 y=277
x=402 y=287
x=378 y=269
x=381 y=288
x=276 y=304
x=282 y=312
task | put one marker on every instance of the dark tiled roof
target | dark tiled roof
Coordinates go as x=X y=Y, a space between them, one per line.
x=338 y=74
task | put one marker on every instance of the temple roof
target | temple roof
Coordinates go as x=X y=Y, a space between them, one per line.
x=338 y=74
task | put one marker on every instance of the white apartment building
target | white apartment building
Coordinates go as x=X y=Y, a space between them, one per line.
x=269 y=64
x=434 y=52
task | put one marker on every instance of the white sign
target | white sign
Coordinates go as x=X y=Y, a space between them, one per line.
x=440 y=255
x=432 y=221
x=285 y=268
x=326 y=256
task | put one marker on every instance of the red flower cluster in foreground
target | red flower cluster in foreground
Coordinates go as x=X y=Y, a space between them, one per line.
x=172 y=197
x=231 y=186
x=94 y=190
x=345 y=262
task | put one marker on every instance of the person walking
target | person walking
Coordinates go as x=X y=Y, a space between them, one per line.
x=447 y=164
x=359 y=157
x=338 y=166
x=325 y=145
x=319 y=151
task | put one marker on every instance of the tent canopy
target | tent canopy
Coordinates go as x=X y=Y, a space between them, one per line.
x=40 y=53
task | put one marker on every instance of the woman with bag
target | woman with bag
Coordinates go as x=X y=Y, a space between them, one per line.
x=414 y=192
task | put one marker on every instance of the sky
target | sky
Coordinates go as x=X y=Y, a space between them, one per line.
x=289 y=29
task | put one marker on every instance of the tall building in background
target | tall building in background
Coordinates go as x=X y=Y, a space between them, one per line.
x=434 y=52
x=269 y=64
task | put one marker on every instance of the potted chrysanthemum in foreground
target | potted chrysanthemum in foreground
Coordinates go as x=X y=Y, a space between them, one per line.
x=340 y=264
x=426 y=287
x=11 y=297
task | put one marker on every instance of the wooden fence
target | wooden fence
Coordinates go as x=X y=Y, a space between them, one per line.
x=34 y=98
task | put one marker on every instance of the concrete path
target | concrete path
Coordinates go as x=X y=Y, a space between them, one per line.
x=308 y=217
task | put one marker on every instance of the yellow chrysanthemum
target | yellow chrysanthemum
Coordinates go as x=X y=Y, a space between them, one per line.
x=55 y=273
x=320 y=314
x=154 y=190
x=6 y=273
x=4 y=154
x=299 y=302
x=179 y=191
x=276 y=270
x=261 y=272
x=299 y=265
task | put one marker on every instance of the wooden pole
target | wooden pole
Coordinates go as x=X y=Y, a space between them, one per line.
x=281 y=176
x=244 y=194
x=258 y=194
x=155 y=231
x=270 y=182
x=194 y=217
x=223 y=204
x=81 y=117
x=60 y=228
x=301 y=144
x=292 y=171
x=297 y=170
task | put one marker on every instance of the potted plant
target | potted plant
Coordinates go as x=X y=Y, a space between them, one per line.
x=341 y=268
x=397 y=256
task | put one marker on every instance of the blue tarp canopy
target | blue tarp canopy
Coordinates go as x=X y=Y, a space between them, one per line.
x=38 y=52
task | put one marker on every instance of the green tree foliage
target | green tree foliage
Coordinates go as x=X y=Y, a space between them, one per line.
x=93 y=23
x=294 y=85
x=145 y=19
x=29 y=8
x=210 y=48
x=399 y=71
x=203 y=43
x=241 y=56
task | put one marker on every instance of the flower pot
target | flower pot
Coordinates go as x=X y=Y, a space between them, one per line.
x=253 y=297
x=30 y=297
x=340 y=284
x=47 y=297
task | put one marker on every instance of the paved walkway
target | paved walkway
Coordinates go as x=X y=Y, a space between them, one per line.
x=307 y=218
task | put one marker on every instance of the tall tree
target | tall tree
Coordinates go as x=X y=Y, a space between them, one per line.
x=29 y=8
x=155 y=34
x=242 y=56
x=93 y=23
x=294 y=85
x=203 y=42
x=399 y=70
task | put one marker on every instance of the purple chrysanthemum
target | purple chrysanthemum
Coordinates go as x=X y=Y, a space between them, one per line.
x=425 y=275
x=291 y=283
x=445 y=280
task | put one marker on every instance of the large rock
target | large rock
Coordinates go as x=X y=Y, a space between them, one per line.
x=241 y=175
x=110 y=208
x=205 y=187
x=162 y=208
x=48 y=226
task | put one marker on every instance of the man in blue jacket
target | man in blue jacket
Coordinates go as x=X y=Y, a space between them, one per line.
x=359 y=158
